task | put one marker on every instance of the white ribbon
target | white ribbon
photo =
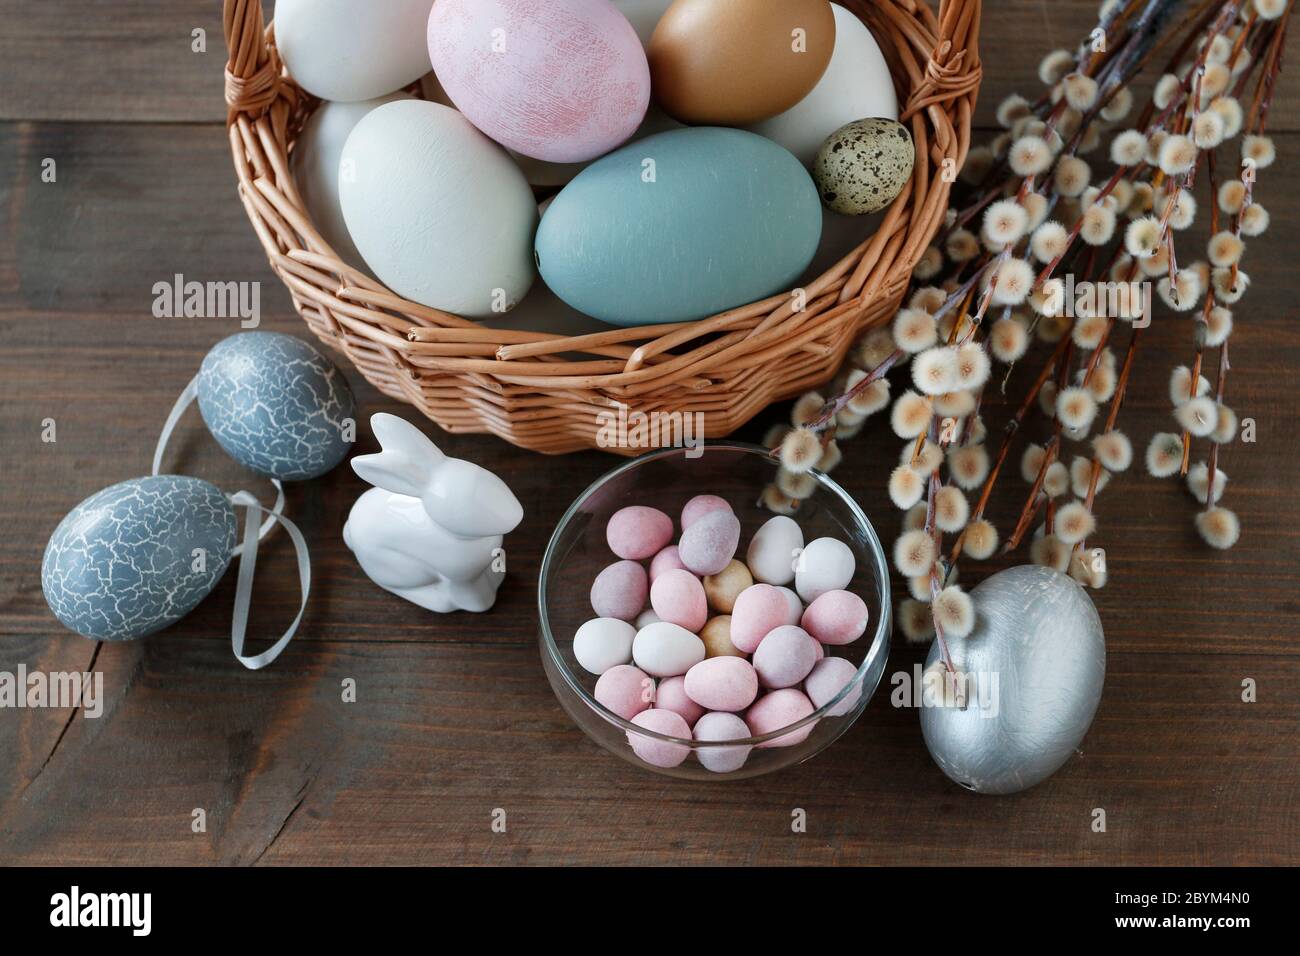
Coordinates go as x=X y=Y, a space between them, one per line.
x=244 y=586
x=246 y=551
x=186 y=399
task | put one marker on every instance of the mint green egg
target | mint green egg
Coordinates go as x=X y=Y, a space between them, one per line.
x=680 y=226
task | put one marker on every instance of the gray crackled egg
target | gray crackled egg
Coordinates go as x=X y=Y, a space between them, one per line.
x=137 y=557
x=863 y=166
x=1038 y=657
x=277 y=405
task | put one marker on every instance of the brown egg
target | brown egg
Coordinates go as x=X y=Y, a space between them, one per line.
x=736 y=62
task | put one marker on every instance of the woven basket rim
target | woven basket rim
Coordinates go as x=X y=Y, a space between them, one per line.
x=522 y=384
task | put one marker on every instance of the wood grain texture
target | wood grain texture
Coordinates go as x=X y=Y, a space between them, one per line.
x=453 y=716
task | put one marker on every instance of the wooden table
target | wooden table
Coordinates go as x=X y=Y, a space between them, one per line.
x=453 y=716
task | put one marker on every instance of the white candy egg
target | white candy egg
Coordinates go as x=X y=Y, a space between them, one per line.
x=825 y=565
x=772 y=551
x=666 y=650
x=856 y=85
x=316 y=168
x=603 y=643
x=349 y=50
x=438 y=211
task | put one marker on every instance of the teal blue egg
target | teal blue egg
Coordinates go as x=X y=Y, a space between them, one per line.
x=680 y=226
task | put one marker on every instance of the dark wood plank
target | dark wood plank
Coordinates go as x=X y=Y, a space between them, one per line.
x=441 y=736
x=131 y=59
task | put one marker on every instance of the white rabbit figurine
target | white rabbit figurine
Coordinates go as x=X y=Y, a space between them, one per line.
x=430 y=530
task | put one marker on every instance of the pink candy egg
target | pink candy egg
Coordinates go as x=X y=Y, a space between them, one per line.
x=660 y=753
x=620 y=591
x=722 y=683
x=721 y=727
x=794 y=607
x=709 y=544
x=780 y=708
x=638 y=532
x=678 y=596
x=701 y=505
x=827 y=678
x=665 y=560
x=671 y=695
x=559 y=80
x=759 y=609
x=785 y=656
x=836 y=617
x=625 y=690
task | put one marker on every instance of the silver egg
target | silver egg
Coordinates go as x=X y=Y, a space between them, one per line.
x=1038 y=660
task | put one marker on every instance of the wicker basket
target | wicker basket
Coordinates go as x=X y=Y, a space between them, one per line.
x=548 y=392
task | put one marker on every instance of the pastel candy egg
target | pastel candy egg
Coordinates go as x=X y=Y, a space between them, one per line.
x=722 y=727
x=671 y=695
x=717 y=638
x=678 y=597
x=778 y=709
x=603 y=643
x=772 y=550
x=785 y=657
x=836 y=617
x=660 y=753
x=625 y=690
x=759 y=609
x=701 y=505
x=559 y=80
x=665 y=560
x=648 y=616
x=638 y=532
x=793 y=606
x=825 y=565
x=828 y=677
x=707 y=546
x=722 y=683
x=723 y=588
x=665 y=649
x=122 y=563
x=619 y=591
x=277 y=405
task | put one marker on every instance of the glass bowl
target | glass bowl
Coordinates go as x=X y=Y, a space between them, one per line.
x=667 y=479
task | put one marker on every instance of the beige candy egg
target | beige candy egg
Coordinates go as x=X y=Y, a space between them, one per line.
x=864 y=165
x=722 y=588
x=717 y=638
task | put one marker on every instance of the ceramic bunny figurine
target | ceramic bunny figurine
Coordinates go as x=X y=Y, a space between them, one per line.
x=430 y=530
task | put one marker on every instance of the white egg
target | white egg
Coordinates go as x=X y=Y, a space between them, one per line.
x=666 y=650
x=644 y=15
x=856 y=85
x=772 y=550
x=825 y=565
x=603 y=643
x=437 y=210
x=349 y=50
x=316 y=168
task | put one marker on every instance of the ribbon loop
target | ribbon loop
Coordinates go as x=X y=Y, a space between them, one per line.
x=244 y=585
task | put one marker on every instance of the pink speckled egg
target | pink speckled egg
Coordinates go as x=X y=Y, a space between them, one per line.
x=722 y=683
x=827 y=678
x=836 y=617
x=785 y=656
x=780 y=708
x=660 y=753
x=701 y=505
x=717 y=726
x=638 y=532
x=558 y=80
x=759 y=609
x=678 y=596
x=671 y=695
x=626 y=690
x=665 y=560
x=620 y=591
x=709 y=544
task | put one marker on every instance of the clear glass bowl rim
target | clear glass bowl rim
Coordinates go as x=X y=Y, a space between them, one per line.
x=879 y=641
